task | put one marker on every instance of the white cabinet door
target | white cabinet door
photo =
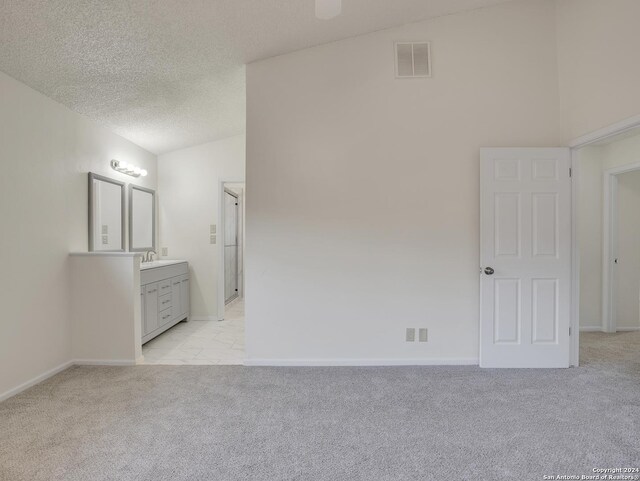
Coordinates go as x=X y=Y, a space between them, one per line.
x=525 y=255
x=151 y=307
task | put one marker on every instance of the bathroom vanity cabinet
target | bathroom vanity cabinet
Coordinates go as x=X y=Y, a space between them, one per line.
x=164 y=296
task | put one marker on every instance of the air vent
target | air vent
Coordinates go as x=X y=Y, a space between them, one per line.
x=413 y=59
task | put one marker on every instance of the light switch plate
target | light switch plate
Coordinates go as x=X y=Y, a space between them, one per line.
x=410 y=334
x=212 y=239
x=212 y=229
x=165 y=251
x=105 y=229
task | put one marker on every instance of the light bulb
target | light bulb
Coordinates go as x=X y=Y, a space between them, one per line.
x=143 y=172
x=137 y=170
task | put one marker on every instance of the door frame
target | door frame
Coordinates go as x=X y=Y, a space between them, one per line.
x=220 y=245
x=224 y=237
x=610 y=243
x=575 y=145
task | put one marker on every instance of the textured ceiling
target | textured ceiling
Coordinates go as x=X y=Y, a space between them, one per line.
x=167 y=74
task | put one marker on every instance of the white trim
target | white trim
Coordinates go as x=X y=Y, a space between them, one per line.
x=609 y=131
x=103 y=362
x=609 y=205
x=600 y=329
x=610 y=241
x=591 y=329
x=220 y=245
x=363 y=362
x=36 y=380
x=574 y=341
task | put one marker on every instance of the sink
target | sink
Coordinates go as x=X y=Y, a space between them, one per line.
x=154 y=264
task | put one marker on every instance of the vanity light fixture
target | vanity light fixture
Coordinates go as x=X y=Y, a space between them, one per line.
x=128 y=169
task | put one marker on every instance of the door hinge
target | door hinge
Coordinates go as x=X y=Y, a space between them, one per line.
x=569 y=331
x=570 y=172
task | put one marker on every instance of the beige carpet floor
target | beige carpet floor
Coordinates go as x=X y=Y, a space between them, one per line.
x=403 y=423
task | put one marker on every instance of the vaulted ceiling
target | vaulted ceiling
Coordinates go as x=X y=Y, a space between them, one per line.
x=167 y=74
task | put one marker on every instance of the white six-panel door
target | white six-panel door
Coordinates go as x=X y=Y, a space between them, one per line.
x=525 y=256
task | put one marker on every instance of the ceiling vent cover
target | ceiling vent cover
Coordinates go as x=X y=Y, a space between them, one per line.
x=413 y=59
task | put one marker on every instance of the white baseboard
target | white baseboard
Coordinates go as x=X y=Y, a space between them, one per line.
x=600 y=329
x=103 y=362
x=362 y=362
x=36 y=380
x=52 y=372
x=254 y=362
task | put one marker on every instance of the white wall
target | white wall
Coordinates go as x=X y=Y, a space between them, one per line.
x=362 y=214
x=628 y=267
x=106 y=314
x=598 y=44
x=594 y=160
x=45 y=152
x=188 y=183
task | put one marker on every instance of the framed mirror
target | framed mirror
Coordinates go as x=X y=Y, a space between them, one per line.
x=106 y=214
x=142 y=219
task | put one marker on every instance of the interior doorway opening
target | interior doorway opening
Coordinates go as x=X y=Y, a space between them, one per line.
x=608 y=229
x=219 y=339
x=232 y=244
x=231 y=265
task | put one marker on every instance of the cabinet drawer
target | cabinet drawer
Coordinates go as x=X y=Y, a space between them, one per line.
x=164 y=302
x=165 y=316
x=164 y=287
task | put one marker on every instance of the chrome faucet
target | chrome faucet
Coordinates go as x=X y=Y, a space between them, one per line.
x=148 y=257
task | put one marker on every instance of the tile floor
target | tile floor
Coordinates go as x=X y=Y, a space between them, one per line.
x=201 y=342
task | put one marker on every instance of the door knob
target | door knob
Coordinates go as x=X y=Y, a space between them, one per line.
x=489 y=271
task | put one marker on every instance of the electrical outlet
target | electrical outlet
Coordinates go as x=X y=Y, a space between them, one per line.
x=410 y=334
x=212 y=239
x=212 y=229
x=423 y=334
x=165 y=251
x=105 y=240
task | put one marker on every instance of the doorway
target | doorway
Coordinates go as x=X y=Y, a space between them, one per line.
x=608 y=228
x=231 y=250
x=231 y=245
x=513 y=229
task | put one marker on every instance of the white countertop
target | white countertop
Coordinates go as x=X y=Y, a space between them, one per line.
x=162 y=263
x=106 y=254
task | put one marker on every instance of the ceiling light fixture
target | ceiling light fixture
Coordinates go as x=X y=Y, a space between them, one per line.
x=129 y=169
x=327 y=9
